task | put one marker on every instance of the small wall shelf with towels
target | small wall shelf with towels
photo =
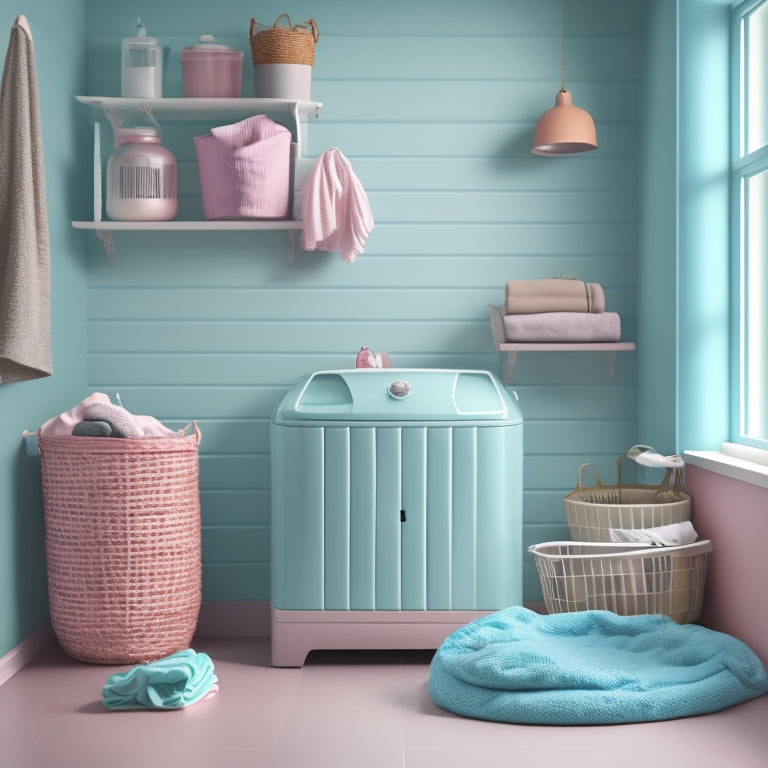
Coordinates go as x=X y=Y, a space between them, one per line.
x=294 y=114
x=512 y=348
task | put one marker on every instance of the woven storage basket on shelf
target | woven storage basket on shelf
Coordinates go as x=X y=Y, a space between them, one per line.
x=627 y=579
x=591 y=512
x=122 y=543
x=284 y=45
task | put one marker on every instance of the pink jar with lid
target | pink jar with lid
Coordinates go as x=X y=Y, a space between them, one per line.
x=141 y=178
x=209 y=70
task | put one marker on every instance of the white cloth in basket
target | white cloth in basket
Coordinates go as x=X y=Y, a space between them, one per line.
x=98 y=406
x=673 y=535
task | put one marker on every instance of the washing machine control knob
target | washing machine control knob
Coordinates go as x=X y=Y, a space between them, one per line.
x=399 y=389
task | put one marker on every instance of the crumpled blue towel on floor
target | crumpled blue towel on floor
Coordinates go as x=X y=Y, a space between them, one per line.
x=173 y=682
x=590 y=668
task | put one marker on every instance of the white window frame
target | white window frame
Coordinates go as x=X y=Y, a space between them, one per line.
x=744 y=165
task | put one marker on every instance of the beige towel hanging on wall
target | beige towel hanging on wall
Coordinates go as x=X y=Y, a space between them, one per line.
x=25 y=282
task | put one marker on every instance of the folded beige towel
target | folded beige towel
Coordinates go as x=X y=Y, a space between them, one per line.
x=555 y=294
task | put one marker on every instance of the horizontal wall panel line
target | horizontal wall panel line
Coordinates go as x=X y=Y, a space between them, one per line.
x=228 y=563
x=235 y=527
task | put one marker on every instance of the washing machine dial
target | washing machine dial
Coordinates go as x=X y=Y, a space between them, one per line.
x=399 y=389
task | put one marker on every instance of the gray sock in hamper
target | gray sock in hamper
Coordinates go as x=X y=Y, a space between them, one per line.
x=123 y=424
x=92 y=429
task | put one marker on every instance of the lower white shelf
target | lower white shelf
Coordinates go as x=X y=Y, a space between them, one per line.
x=106 y=226
x=512 y=348
x=104 y=229
x=597 y=346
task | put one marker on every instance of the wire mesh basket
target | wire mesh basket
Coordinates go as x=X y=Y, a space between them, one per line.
x=626 y=579
x=593 y=511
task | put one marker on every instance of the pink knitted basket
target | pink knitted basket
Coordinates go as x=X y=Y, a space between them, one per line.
x=245 y=170
x=122 y=543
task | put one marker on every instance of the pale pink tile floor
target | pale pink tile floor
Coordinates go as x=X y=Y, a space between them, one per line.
x=341 y=710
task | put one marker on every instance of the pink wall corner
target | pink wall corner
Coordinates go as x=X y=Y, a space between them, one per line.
x=734 y=515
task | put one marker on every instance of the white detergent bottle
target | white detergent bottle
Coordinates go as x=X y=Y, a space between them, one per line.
x=142 y=66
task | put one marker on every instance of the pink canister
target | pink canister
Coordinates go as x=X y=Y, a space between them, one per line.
x=211 y=70
x=141 y=177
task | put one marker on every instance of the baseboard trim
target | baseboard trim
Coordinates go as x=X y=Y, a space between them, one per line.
x=234 y=619
x=253 y=618
x=219 y=619
x=18 y=658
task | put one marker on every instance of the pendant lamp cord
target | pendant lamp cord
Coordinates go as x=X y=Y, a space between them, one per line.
x=562 y=46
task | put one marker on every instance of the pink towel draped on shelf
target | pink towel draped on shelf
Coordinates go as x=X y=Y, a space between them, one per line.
x=335 y=210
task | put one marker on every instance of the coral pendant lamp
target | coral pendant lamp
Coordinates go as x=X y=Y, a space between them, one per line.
x=564 y=129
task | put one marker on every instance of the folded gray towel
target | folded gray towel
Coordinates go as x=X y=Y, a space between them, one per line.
x=92 y=429
x=122 y=422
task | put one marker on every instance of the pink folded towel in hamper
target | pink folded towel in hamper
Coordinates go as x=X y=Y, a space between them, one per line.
x=555 y=294
x=562 y=326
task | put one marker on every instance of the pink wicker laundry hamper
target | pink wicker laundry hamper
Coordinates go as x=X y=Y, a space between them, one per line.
x=122 y=542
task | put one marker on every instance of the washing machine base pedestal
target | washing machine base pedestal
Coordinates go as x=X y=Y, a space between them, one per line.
x=296 y=633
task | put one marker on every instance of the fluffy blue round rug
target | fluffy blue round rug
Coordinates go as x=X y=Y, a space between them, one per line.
x=590 y=668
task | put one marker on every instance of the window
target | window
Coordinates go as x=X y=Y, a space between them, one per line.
x=749 y=190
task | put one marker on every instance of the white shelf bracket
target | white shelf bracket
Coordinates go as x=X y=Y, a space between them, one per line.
x=611 y=363
x=291 y=246
x=109 y=245
x=113 y=118
x=146 y=110
x=300 y=139
x=509 y=369
x=301 y=127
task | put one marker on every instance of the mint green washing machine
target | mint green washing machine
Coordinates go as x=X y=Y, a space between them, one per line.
x=396 y=508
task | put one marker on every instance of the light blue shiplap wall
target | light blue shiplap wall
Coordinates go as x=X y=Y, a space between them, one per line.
x=435 y=106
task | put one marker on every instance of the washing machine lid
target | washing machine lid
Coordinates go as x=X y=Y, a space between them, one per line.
x=398 y=394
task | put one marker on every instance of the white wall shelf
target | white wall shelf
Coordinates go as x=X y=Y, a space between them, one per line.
x=127 y=112
x=187 y=225
x=296 y=113
x=512 y=348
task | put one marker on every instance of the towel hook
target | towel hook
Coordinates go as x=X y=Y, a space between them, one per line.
x=21 y=21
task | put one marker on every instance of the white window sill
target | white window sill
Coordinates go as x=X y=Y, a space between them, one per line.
x=740 y=462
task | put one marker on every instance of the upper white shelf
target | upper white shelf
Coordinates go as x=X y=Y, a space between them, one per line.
x=512 y=348
x=202 y=109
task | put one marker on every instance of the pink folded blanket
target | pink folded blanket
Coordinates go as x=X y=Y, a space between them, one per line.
x=562 y=326
x=555 y=294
